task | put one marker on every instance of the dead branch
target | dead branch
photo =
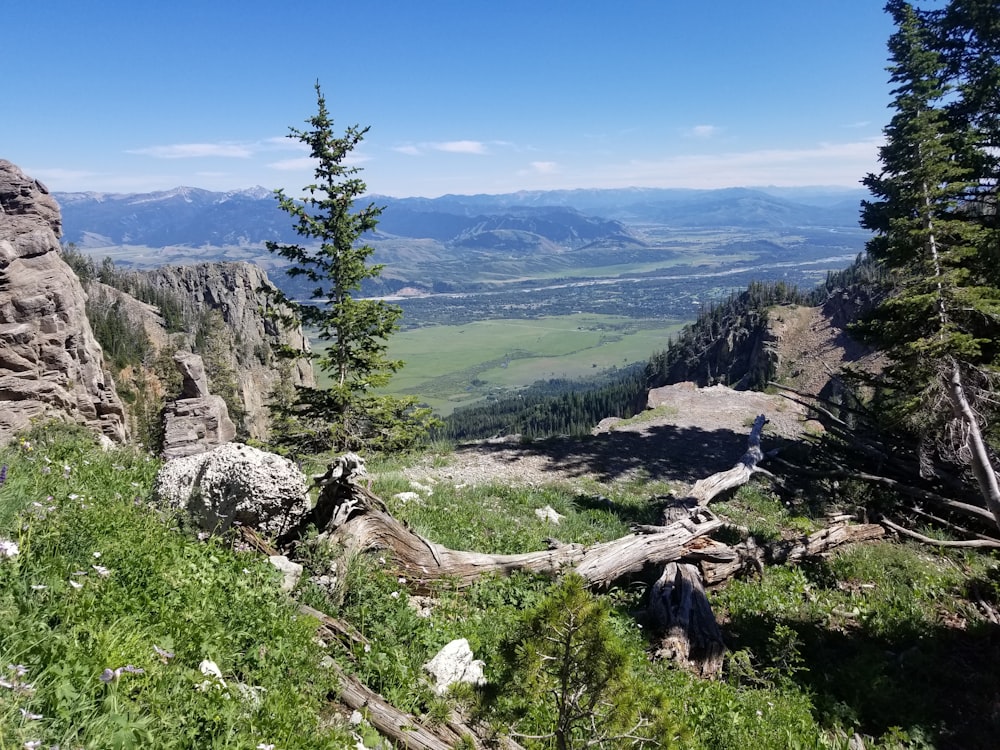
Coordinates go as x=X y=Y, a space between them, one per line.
x=981 y=543
x=897 y=486
x=706 y=489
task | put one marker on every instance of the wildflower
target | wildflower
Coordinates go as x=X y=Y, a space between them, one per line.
x=265 y=746
x=38 y=587
x=73 y=496
x=67 y=471
x=101 y=571
x=32 y=744
x=3 y=474
x=29 y=716
x=401 y=581
x=97 y=555
x=75 y=584
x=394 y=594
x=8 y=548
x=110 y=675
x=164 y=655
x=19 y=670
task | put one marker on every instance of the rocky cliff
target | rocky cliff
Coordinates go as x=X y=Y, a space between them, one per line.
x=51 y=366
x=250 y=337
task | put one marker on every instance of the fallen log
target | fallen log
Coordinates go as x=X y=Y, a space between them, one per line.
x=360 y=524
x=400 y=727
x=719 y=562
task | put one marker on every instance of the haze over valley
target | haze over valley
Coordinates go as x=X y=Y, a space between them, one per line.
x=499 y=291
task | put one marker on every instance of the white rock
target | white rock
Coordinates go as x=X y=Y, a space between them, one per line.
x=417 y=487
x=549 y=515
x=454 y=664
x=234 y=483
x=291 y=571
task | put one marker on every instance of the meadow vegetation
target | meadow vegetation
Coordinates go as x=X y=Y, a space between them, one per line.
x=109 y=608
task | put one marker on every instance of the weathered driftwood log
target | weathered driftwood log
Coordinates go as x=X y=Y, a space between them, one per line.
x=361 y=524
x=705 y=490
x=403 y=728
x=719 y=562
x=680 y=611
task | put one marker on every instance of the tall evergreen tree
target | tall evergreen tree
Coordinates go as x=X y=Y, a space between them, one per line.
x=940 y=322
x=346 y=413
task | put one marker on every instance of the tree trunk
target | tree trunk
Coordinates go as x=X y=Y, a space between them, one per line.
x=680 y=610
x=982 y=467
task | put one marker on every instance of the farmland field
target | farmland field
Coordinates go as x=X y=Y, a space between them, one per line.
x=448 y=366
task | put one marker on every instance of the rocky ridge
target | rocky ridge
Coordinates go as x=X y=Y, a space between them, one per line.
x=238 y=291
x=51 y=366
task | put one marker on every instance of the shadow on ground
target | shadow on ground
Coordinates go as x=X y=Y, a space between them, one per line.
x=938 y=685
x=661 y=452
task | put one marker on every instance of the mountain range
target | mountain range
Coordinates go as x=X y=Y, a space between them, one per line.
x=460 y=239
x=195 y=217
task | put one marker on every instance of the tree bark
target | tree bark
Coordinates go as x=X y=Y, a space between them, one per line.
x=680 y=610
x=982 y=467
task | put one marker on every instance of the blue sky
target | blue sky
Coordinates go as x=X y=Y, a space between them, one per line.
x=461 y=96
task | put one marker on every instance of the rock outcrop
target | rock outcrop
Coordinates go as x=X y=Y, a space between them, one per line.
x=234 y=483
x=51 y=366
x=197 y=421
x=237 y=291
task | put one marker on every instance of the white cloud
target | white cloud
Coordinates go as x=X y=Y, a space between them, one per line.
x=823 y=164
x=408 y=150
x=60 y=176
x=703 y=131
x=460 y=147
x=291 y=165
x=197 y=151
x=544 y=167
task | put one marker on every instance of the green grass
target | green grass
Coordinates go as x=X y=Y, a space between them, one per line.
x=882 y=639
x=101 y=582
x=451 y=366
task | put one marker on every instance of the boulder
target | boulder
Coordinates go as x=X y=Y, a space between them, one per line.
x=234 y=483
x=51 y=366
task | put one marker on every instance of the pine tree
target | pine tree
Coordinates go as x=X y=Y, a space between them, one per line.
x=939 y=323
x=346 y=414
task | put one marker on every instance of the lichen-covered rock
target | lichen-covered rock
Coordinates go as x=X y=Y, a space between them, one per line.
x=455 y=664
x=234 y=483
x=51 y=366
